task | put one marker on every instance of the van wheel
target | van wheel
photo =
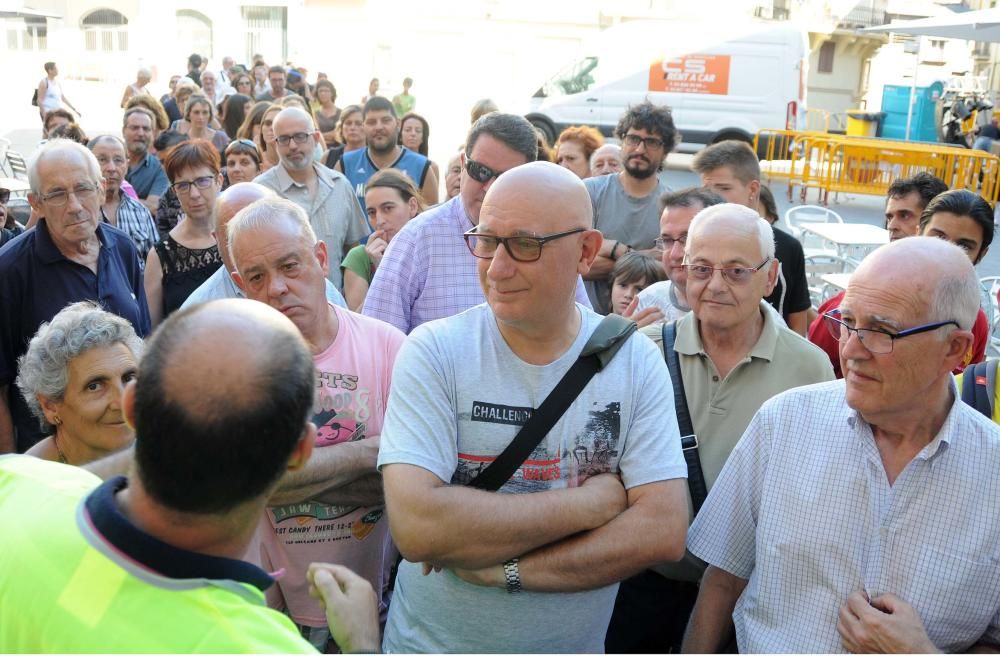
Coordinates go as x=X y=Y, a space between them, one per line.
x=738 y=136
x=545 y=127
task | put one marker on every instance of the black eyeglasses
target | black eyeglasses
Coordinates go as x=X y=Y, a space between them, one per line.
x=4 y=195
x=734 y=275
x=875 y=341
x=479 y=172
x=667 y=242
x=634 y=140
x=298 y=137
x=520 y=248
x=202 y=183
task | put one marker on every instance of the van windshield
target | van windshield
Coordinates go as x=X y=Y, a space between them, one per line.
x=576 y=78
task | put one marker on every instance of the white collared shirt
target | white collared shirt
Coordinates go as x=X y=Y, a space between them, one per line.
x=804 y=511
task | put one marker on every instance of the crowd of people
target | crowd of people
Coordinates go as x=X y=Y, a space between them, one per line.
x=273 y=381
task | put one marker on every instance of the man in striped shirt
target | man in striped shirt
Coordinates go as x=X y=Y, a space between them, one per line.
x=118 y=209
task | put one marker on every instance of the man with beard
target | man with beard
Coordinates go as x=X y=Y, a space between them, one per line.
x=383 y=152
x=145 y=173
x=325 y=194
x=626 y=205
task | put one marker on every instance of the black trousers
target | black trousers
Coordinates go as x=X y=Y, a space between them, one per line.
x=651 y=613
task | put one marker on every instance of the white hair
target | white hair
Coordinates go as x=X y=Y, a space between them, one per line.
x=605 y=148
x=264 y=213
x=54 y=148
x=957 y=298
x=144 y=73
x=736 y=213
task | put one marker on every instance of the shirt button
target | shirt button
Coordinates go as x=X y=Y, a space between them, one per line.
x=715 y=378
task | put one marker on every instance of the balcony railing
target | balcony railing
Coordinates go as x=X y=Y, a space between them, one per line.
x=864 y=17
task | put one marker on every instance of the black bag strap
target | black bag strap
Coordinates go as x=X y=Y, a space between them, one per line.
x=598 y=352
x=977 y=387
x=689 y=441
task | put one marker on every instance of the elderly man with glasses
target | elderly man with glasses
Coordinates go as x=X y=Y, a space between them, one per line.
x=534 y=566
x=325 y=194
x=427 y=272
x=861 y=515
x=732 y=352
x=69 y=256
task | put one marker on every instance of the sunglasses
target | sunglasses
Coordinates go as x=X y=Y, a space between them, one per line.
x=242 y=142
x=4 y=195
x=479 y=172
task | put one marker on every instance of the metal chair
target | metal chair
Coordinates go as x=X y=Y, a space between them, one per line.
x=796 y=215
x=818 y=265
x=990 y=286
x=15 y=162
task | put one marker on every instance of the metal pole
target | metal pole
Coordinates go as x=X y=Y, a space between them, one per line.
x=913 y=92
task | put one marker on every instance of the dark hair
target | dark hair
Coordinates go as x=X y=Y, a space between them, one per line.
x=509 y=129
x=194 y=60
x=766 y=199
x=253 y=118
x=651 y=118
x=216 y=459
x=190 y=154
x=378 y=103
x=325 y=83
x=400 y=182
x=634 y=267
x=48 y=66
x=70 y=131
x=964 y=203
x=234 y=114
x=57 y=113
x=427 y=131
x=276 y=68
x=237 y=147
x=198 y=99
x=925 y=184
x=167 y=139
x=737 y=155
x=544 y=150
x=689 y=197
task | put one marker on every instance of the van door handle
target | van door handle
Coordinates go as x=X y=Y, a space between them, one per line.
x=591 y=99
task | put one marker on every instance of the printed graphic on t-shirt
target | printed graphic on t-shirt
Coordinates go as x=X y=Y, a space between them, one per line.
x=341 y=413
x=554 y=463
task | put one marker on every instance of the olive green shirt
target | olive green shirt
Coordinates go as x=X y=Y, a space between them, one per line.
x=721 y=408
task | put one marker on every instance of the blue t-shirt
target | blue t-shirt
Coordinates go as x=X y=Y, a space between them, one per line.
x=358 y=168
x=37 y=281
x=148 y=177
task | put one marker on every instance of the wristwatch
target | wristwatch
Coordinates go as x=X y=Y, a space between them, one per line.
x=512 y=575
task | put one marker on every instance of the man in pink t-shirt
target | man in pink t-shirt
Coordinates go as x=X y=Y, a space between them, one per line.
x=333 y=510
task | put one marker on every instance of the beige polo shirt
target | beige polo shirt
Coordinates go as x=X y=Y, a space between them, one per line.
x=721 y=408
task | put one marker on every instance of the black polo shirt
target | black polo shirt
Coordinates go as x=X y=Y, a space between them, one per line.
x=791 y=292
x=37 y=281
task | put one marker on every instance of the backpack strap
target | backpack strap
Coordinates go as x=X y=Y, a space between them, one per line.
x=977 y=390
x=689 y=441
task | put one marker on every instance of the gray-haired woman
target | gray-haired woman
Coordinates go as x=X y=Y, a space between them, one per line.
x=73 y=377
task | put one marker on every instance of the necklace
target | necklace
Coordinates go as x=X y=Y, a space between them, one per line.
x=62 y=457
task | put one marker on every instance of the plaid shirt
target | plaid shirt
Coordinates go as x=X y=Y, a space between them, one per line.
x=428 y=273
x=135 y=220
x=804 y=511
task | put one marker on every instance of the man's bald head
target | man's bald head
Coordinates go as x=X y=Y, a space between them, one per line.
x=231 y=201
x=224 y=397
x=290 y=116
x=557 y=198
x=934 y=276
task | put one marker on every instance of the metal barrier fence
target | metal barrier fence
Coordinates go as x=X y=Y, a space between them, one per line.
x=868 y=165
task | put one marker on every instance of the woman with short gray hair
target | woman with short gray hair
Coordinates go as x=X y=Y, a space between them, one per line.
x=73 y=377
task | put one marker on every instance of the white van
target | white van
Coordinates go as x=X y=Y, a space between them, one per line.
x=722 y=82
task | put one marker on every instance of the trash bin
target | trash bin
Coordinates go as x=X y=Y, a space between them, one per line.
x=861 y=123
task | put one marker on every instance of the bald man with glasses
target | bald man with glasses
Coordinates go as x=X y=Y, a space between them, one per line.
x=427 y=272
x=733 y=353
x=534 y=566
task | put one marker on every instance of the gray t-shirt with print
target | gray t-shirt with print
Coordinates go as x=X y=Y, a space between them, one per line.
x=459 y=395
x=634 y=221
